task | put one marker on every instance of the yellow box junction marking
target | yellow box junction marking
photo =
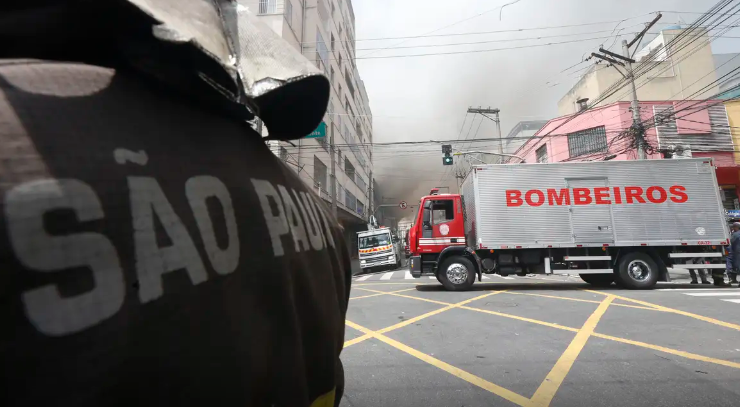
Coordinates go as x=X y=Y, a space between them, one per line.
x=675 y=311
x=415 y=319
x=546 y=392
x=380 y=293
x=468 y=377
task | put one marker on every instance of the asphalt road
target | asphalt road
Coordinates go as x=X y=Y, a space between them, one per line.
x=539 y=341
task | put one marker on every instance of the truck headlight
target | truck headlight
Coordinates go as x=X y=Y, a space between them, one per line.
x=362 y=262
x=391 y=257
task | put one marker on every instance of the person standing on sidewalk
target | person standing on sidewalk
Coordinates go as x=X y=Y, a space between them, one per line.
x=734 y=253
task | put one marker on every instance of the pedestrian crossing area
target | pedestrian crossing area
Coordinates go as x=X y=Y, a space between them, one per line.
x=406 y=275
x=725 y=294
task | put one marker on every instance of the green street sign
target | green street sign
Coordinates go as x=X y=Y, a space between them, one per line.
x=319 y=132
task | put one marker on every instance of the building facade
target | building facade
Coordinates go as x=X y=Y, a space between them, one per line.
x=324 y=32
x=673 y=129
x=682 y=69
x=519 y=135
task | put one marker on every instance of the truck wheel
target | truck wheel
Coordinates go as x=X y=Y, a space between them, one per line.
x=598 y=280
x=637 y=271
x=456 y=274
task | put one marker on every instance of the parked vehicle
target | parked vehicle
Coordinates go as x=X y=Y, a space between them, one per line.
x=617 y=221
x=378 y=249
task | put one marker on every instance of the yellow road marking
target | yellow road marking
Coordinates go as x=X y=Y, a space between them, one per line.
x=681 y=353
x=380 y=293
x=435 y=284
x=545 y=393
x=534 y=321
x=675 y=311
x=571 y=329
x=418 y=318
x=582 y=300
x=457 y=372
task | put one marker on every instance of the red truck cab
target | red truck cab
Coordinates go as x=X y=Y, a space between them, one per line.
x=438 y=237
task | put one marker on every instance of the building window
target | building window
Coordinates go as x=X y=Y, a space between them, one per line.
x=582 y=104
x=587 y=141
x=288 y=12
x=333 y=46
x=331 y=75
x=339 y=92
x=319 y=173
x=542 y=154
x=349 y=169
x=268 y=6
x=283 y=153
x=350 y=200
x=321 y=52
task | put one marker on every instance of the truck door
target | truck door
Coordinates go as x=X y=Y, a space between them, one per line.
x=447 y=224
x=592 y=222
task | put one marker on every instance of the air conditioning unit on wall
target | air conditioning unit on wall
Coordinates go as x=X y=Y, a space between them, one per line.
x=679 y=151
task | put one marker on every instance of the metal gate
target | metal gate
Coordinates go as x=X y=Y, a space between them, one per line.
x=590 y=223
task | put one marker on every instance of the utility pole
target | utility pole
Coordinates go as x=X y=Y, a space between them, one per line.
x=637 y=129
x=497 y=120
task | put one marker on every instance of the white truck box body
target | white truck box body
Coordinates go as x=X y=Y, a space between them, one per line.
x=689 y=213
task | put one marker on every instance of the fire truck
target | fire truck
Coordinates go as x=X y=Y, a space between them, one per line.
x=378 y=249
x=624 y=222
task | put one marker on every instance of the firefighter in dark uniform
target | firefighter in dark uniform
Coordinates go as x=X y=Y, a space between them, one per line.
x=734 y=253
x=154 y=251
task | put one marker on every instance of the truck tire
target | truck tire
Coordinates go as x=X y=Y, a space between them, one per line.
x=456 y=273
x=598 y=280
x=637 y=271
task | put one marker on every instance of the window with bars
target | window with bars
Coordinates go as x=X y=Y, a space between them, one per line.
x=268 y=7
x=587 y=141
x=542 y=154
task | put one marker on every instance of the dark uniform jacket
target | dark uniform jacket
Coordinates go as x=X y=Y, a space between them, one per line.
x=735 y=250
x=154 y=253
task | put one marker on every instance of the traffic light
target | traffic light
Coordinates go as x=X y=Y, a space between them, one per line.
x=447 y=150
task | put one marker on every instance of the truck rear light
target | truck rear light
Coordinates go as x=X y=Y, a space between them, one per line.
x=684 y=244
x=518 y=247
x=579 y=245
x=643 y=244
x=605 y=245
x=491 y=250
x=549 y=246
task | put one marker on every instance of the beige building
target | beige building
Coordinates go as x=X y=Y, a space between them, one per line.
x=682 y=69
x=324 y=31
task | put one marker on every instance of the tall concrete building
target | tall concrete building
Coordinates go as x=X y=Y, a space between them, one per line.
x=324 y=32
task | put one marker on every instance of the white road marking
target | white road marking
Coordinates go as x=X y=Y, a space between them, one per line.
x=363 y=278
x=408 y=276
x=728 y=293
x=387 y=276
x=735 y=301
x=690 y=289
x=504 y=277
x=486 y=278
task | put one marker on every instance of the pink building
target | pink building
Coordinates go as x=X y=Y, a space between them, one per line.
x=686 y=128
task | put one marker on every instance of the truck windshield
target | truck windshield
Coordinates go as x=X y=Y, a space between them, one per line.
x=368 y=242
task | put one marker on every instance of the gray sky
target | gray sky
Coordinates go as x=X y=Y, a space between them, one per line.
x=423 y=98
